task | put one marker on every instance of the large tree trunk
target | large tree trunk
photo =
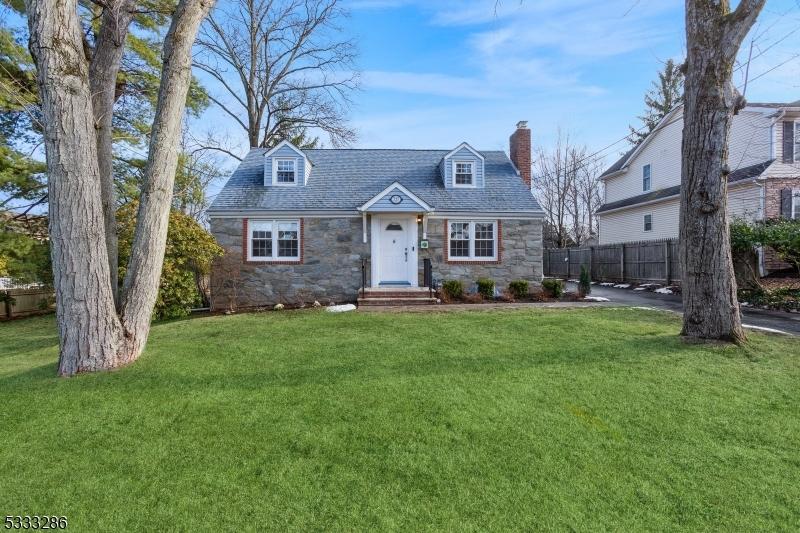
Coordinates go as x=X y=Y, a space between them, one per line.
x=103 y=70
x=93 y=337
x=140 y=287
x=713 y=37
x=87 y=322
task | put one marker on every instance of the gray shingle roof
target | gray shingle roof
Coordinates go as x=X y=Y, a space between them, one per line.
x=752 y=171
x=345 y=179
x=618 y=163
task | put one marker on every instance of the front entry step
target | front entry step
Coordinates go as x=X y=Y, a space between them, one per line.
x=396 y=296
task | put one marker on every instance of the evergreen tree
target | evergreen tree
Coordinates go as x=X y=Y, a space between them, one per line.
x=664 y=96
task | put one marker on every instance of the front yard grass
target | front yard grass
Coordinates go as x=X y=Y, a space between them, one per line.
x=591 y=419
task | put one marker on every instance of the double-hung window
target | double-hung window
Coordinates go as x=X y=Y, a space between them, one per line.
x=796 y=204
x=648 y=222
x=273 y=240
x=285 y=171
x=464 y=174
x=646 y=181
x=472 y=240
x=797 y=141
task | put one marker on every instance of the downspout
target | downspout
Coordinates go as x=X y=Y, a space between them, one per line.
x=762 y=210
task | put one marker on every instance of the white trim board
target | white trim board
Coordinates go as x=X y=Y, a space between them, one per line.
x=387 y=190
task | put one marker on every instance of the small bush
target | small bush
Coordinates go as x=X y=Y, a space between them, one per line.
x=452 y=289
x=518 y=288
x=486 y=288
x=554 y=287
x=584 y=282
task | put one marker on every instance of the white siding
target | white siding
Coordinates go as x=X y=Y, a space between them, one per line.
x=663 y=153
x=745 y=202
x=627 y=225
x=750 y=143
x=779 y=169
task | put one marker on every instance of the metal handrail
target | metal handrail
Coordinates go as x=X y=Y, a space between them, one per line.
x=427 y=275
x=363 y=276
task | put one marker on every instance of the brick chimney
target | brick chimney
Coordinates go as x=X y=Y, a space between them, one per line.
x=520 y=150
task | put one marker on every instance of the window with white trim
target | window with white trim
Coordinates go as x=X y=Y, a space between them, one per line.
x=646 y=177
x=648 y=222
x=285 y=171
x=797 y=141
x=464 y=174
x=795 y=204
x=474 y=240
x=273 y=240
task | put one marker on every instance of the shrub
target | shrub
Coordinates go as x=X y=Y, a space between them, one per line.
x=554 y=287
x=584 y=282
x=452 y=289
x=187 y=259
x=486 y=288
x=518 y=288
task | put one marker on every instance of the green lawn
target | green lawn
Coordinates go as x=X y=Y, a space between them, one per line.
x=597 y=419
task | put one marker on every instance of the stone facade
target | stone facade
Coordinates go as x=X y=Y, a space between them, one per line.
x=330 y=266
x=330 y=270
x=520 y=247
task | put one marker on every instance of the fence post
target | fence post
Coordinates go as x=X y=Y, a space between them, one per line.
x=591 y=262
x=667 y=263
x=622 y=263
x=569 y=263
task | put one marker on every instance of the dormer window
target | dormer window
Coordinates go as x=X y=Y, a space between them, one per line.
x=285 y=171
x=464 y=175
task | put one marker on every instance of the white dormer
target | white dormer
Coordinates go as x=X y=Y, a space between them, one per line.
x=462 y=168
x=285 y=165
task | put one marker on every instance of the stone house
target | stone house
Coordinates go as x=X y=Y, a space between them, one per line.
x=304 y=225
x=642 y=189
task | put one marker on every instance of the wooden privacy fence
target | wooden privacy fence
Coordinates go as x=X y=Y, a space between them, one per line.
x=639 y=262
x=25 y=302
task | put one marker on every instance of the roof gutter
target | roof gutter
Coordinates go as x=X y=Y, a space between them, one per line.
x=757 y=180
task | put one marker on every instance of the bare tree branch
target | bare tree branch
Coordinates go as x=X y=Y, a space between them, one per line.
x=294 y=69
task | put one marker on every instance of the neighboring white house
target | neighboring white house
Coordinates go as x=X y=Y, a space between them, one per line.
x=642 y=189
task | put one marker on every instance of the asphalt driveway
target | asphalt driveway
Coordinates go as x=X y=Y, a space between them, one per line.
x=787 y=322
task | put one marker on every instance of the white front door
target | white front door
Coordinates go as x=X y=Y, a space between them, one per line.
x=395 y=250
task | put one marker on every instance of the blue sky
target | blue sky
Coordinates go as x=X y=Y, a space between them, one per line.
x=437 y=72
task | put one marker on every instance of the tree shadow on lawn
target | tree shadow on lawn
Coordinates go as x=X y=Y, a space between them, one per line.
x=375 y=367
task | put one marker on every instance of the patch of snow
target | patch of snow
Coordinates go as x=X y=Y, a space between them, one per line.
x=663 y=291
x=278 y=307
x=766 y=330
x=595 y=299
x=317 y=304
x=641 y=308
x=573 y=281
x=649 y=285
x=340 y=308
x=640 y=289
x=606 y=284
x=622 y=286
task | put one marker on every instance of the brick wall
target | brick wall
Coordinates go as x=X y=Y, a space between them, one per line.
x=772 y=203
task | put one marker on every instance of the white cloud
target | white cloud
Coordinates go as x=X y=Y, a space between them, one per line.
x=427 y=83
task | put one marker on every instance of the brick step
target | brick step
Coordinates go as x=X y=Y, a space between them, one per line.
x=405 y=294
x=396 y=301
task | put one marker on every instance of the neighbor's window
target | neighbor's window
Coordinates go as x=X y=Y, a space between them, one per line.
x=796 y=204
x=285 y=172
x=797 y=142
x=464 y=173
x=648 y=222
x=473 y=240
x=274 y=240
x=646 y=178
